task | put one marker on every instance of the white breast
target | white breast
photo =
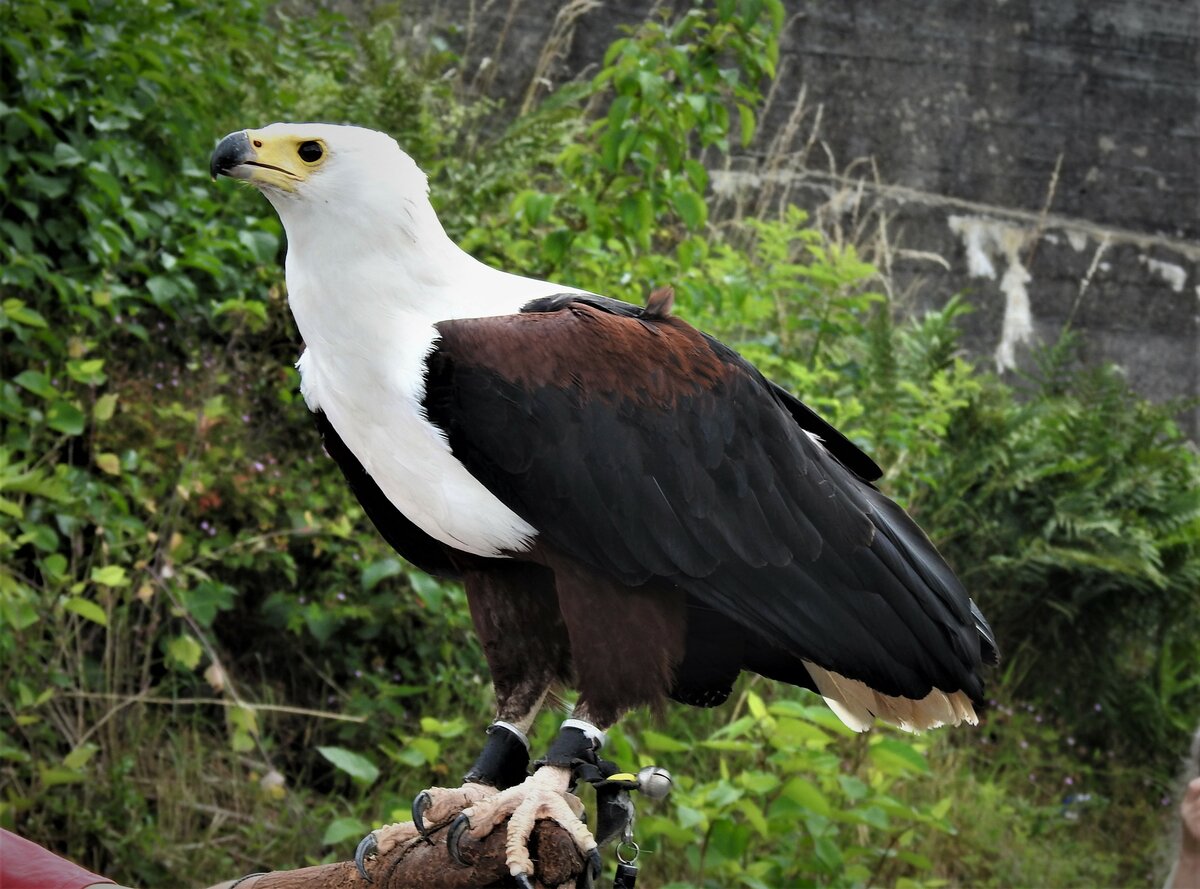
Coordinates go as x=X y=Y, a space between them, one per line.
x=382 y=424
x=366 y=371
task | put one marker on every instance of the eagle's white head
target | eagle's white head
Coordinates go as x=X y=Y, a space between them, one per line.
x=322 y=178
x=364 y=243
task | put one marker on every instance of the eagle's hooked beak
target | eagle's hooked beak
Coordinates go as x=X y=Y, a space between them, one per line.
x=257 y=158
x=231 y=153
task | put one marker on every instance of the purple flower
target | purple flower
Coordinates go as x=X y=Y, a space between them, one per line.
x=1097 y=707
x=1166 y=801
x=341 y=597
x=1024 y=744
x=1070 y=741
x=303 y=600
x=358 y=674
x=1068 y=780
x=245 y=418
x=1033 y=777
x=258 y=467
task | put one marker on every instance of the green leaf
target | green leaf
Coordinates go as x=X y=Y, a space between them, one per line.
x=427 y=749
x=109 y=463
x=65 y=417
x=893 y=756
x=942 y=809
x=353 y=764
x=18 y=614
x=40 y=535
x=17 y=311
x=86 y=609
x=806 y=794
x=375 y=572
x=262 y=245
x=104 y=407
x=690 y=207
x=746 y=115
x=244 y=722
x=89 y=372
x=757 y=782
x=162 y=289
x=184 y=651
x=79 y=757
x=52 y=777
x=660 y=743
x=55 y=565
x=65 y=155
x=755 y=703
x=341 y=829
x=754 y=815
x=110 y=575
x=37 y=383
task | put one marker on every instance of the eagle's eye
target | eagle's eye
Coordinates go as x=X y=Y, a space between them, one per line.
x=310 y=152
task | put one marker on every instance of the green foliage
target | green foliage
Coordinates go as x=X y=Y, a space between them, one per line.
x=785 y=795
x=179 y=566
x=1084 y=533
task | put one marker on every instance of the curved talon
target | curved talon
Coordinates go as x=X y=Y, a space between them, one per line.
x=523 y=881
x=595 y=863
x=368 y=845
x=419 y=807
x=591 y=871
x=454 y=837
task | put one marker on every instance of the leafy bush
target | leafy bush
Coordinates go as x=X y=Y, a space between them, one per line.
x=180 y=570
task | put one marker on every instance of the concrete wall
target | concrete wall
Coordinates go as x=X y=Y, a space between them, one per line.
x=1042 y=156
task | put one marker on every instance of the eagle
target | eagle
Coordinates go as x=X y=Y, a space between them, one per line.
x=634 y=511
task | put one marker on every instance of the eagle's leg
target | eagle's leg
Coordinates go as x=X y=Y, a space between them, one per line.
x=544 y=795
x=624 y=644
x=507 y=601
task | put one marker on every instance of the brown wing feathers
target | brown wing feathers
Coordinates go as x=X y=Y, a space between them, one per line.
x=653 y=453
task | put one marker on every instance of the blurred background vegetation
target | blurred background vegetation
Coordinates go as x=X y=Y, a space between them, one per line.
x=211 y=664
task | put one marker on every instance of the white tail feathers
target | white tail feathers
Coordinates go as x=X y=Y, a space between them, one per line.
x=858 y=705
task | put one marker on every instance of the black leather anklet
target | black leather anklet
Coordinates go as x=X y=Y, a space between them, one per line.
x=574 y=746
x=504 y=761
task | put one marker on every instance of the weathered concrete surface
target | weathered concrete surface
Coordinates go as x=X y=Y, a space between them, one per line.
x=967 y=109
x=980 y=103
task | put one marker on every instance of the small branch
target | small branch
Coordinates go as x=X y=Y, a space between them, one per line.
x=215 y=702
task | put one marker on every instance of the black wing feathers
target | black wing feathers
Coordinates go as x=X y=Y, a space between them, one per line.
x=650 y=451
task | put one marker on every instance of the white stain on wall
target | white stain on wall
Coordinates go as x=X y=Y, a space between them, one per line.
x=1174 y=276
x=987 y=243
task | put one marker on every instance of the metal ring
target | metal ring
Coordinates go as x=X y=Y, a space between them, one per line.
x=636 y=851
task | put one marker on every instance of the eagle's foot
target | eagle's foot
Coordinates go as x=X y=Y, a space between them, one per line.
x=438 y=805
x=431 y=809
x=543 y=795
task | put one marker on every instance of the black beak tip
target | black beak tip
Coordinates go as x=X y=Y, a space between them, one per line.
x=231 y=151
